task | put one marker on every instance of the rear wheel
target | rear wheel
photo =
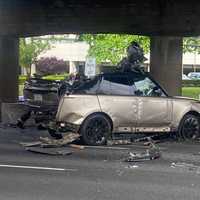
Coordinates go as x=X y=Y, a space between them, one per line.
x=190 y=127
x=95 y=130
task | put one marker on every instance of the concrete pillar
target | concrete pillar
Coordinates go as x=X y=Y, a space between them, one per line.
x=9 y=69
x=166 y=63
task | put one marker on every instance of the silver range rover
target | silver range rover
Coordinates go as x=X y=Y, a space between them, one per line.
x=123 y=102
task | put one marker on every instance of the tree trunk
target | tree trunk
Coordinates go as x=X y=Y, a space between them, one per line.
x=28 y=71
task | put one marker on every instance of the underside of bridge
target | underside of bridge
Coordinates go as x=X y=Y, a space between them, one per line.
x=165 y=21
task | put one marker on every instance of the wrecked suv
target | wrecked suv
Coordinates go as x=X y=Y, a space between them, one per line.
x=123 y=103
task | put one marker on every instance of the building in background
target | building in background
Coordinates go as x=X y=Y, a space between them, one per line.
x=191 y=62
x=74 y=53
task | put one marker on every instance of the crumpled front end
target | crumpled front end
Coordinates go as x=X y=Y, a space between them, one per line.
x=73 y=109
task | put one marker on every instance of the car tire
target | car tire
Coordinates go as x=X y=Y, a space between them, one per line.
x=189 y=128
x=95 y=130
x=54 y=134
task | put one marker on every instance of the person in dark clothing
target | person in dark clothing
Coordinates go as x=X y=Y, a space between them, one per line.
x=134 y=59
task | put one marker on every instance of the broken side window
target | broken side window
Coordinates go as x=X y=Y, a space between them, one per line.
x=89 y=86
x=115 y=85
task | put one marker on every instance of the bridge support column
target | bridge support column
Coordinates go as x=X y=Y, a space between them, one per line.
x=9 y=69
x=166 y=63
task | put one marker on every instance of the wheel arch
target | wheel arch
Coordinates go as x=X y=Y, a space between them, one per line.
x=191 y=112
x=94 y=113
x=179 y=131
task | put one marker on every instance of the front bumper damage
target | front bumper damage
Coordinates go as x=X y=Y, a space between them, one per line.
x=63 y=127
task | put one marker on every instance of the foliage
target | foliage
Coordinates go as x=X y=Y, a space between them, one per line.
x=191 y=83
x=23 y=78
x=52 y=65
x=112 y=47
x=56 y=77
x=30 y=49
x=191 y=44
x=192 y=92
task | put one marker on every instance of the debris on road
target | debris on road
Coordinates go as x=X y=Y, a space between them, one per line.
x=48 y=151
x=76 y=146
x=47 y=145
x=68 y=138
x=156 y=138
x=149 y=143
x=186 y=166
x=131 y=166
x=31 y=144
x=150 y=154
x=118 y=142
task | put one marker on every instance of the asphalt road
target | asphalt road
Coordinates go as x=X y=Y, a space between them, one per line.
x=95 y=173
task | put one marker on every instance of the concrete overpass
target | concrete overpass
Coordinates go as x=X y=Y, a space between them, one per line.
x=165 y=21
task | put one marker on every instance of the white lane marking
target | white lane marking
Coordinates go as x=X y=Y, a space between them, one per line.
x=35 y=167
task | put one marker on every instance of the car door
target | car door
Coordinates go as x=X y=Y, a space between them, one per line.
x=116 y=100
x=154 y=108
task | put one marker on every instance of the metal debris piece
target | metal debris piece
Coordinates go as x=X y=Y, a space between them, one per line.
x=31 y=144
x=149 y=143
x=150 y=154
x=131 y=166
x=68 y=138
x=186 y=166
x=48 y=151
x=39 y=146
x=137 y=157
x=118 y=142
x=76 y=146
x=145 y=138
x=156 y=138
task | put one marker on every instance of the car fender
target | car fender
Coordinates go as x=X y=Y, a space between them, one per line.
x=75 y=108
x=181 y=108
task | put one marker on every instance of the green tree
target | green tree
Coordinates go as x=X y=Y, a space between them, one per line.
x=30 y=49
x=112 y=47
x=191 y=44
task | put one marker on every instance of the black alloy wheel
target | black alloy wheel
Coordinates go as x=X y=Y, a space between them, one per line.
x=190 y=127
x=96 y=129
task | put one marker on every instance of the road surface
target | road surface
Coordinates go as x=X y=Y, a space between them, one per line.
x=96 y=173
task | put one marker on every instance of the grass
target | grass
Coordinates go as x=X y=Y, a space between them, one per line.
x=56 y=77
x=192 y=92
x=22 y=79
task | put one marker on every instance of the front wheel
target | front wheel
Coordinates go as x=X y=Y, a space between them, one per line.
x=189 y=128
x=95 y=130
